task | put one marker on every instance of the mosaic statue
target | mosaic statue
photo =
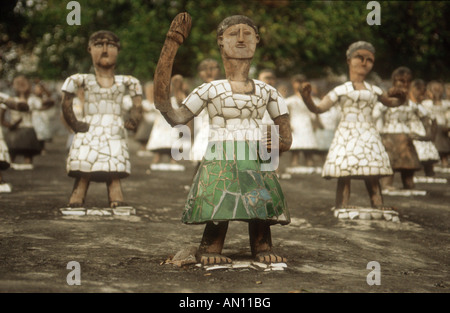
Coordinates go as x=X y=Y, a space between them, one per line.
x=440 y=111
x=303 y=136
x=356 y=151
x=423 y=128
x=99 y=150
x=397 y=136
x=21 y=136
x=5 y=160
x=230 y=185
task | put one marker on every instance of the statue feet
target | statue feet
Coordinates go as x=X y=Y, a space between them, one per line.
x=75 y=205
x=269 y=257
x=115 y=204
x=213 y=259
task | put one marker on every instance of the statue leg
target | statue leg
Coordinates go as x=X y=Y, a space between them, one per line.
x=387 y=182
x=261 y=242
x=212 y=243
x=295 y=157
x=79 y=191
x=115 y=195
x=342 y=192
x=374 y=190
x=408 y=179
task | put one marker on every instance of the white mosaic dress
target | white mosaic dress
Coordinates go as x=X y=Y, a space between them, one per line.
x=4 y=153
x=231 y=113
x=303 y=136
x=395 y=134
x=426 y=150
x=163 y=137
x=441 y=113
x=356 y=150
x=103 y=149
x=23 y=140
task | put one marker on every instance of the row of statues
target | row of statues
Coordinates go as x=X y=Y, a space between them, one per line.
x=232 y=182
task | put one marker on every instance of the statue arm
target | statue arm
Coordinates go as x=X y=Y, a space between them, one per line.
x=69 y=114
x=178 y=32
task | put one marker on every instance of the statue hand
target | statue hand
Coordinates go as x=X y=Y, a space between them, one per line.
x=130 y=124
x=180 y=27
x=81 y=127
x=399 y=93
x=305 y=90
x=23 y=106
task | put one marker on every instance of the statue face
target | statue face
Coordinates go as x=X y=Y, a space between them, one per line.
x=238 y=42
x=361 y=62
x=268 y=78
x=210 y=71
x=104 y=53
x=402 y=81
x=21 y=84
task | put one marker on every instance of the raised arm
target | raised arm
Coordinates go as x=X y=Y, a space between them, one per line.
x=394 y=98
x=135 y=114
x=69 y=116
x=324 y=105
x=178 y=32
x=13 y=105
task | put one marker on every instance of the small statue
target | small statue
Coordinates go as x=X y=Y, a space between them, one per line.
x=99 y=150
x=303 y=136
x=5 y=161
x=233 y=188
x=440 y=111
x=423 y=128
x=42 y=119
x=149 y=114
x=21 y=136
x=398 y=138
x=163 y=137
x=357 y=151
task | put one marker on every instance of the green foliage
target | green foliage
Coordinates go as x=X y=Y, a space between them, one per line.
x=296 y=36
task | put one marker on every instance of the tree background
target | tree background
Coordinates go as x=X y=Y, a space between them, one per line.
x=308 y=37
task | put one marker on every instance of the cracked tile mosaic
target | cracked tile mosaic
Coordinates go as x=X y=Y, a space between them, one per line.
x=103 y=149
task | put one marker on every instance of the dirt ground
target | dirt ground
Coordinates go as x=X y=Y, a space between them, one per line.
x=125 y=253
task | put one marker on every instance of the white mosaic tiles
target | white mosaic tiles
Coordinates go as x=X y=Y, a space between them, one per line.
x=4 y=153
x=426 y=150
x=34 y=103
x=103 y=148
x=233 y=115
x=356 y=149
x=396 y=120
x=439 y=112
x=163 y=136
x=303 y=135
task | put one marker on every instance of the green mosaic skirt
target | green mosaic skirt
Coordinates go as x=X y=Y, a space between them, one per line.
x=231 y=186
